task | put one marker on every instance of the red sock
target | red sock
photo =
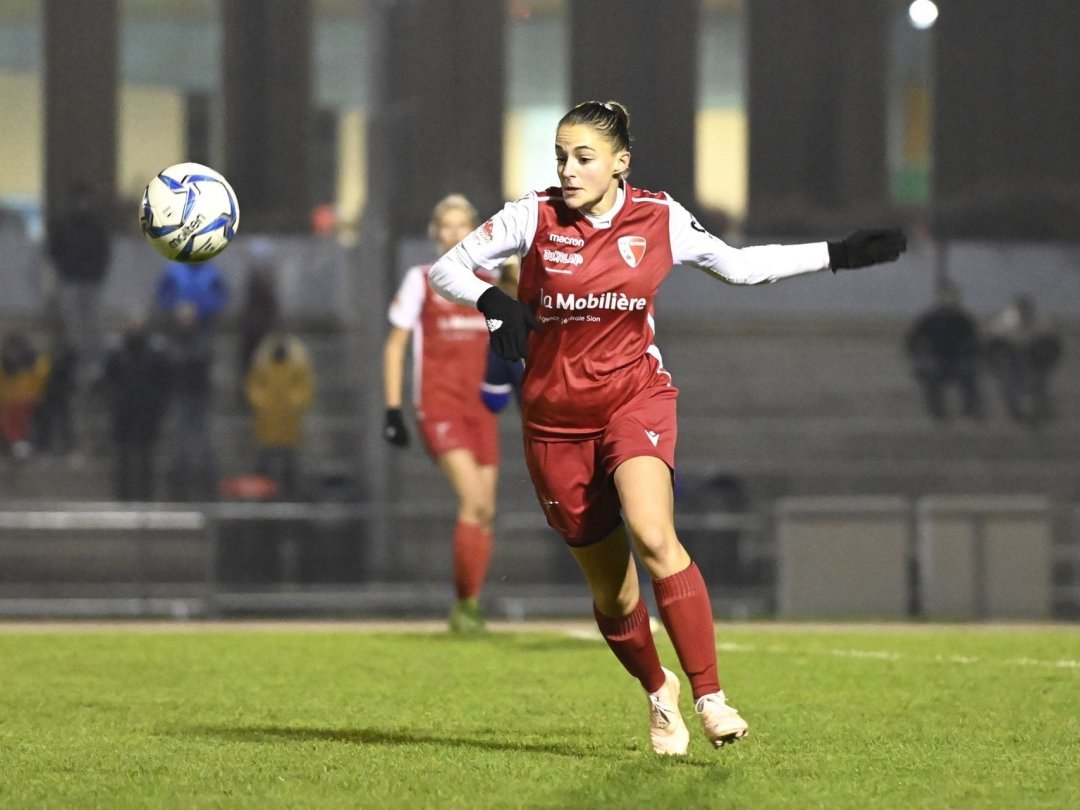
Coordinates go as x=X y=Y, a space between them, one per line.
x=686 y=612
x=631 y=640
x=472 y=553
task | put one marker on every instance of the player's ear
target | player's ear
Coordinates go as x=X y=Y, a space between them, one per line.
x=622 y=163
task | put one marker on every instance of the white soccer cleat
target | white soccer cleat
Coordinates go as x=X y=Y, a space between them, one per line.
x=721 y=722
x=667 y=731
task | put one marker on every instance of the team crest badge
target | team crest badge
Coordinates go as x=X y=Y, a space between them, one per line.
x=632 y=249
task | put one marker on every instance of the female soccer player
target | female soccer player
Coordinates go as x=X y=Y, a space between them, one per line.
x=450 y=352
x=597 y=403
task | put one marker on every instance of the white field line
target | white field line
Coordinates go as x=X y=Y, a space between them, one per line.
x=886 y=655
x=583 y=630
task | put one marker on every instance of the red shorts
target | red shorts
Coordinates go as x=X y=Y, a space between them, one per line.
x=574 y=479
x=477 y=432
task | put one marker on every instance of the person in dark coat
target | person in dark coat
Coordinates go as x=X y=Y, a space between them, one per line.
x=136 y=385
x=943 y=347
x=193 y=467
x=80 y=247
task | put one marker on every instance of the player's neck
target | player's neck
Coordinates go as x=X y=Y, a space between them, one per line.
x=607 y=207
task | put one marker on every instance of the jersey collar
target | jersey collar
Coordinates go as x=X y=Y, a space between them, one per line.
x=605 y=220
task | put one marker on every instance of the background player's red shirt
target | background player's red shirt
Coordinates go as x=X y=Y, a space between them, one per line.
x=450 y=347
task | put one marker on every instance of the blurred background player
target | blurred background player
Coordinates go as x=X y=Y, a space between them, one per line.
x=450 y=351
x=597 y=403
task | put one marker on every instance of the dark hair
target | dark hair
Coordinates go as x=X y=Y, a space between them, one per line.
x=607 y=117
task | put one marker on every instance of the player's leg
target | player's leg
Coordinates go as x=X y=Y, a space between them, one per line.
x=645 y=490
x=623 y=620
x=475 y=487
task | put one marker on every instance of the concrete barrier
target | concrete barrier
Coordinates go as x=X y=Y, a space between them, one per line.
x=985 y=557
x=846 y=557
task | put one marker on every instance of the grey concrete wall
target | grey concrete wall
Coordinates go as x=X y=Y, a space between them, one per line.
x=843 y=557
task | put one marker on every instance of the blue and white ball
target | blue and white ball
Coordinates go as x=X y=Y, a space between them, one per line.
x=189 y=213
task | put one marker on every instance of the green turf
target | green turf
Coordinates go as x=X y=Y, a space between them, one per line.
x=849 y=717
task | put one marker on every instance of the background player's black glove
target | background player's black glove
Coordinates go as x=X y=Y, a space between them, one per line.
x=508 y=321
x=394 y=430
x=864 y=248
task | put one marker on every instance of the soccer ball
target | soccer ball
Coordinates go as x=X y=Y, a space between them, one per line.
x=189 y=213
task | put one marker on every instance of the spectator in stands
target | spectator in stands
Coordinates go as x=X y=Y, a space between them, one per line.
x=190 y=297
x=258 y=315
x=80 y=247
x=1022 y=352
x=136 y=386
x=280 y=387
x=23 y=371
x=53 y=427
x=199 y=284
x=193 y=467
x=943 y=347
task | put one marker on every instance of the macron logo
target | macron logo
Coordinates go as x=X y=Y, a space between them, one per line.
x=653 y=437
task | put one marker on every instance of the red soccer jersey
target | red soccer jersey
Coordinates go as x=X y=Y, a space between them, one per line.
x=591 y=282
x=450 y=347
x=592 y=287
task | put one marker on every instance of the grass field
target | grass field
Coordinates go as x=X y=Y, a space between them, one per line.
x=342 y=716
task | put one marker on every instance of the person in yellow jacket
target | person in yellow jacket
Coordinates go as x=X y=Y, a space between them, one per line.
x=280 y=388
x=23 y=373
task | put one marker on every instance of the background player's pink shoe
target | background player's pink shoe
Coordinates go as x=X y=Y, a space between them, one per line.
x=667 y=731
x=721 y=722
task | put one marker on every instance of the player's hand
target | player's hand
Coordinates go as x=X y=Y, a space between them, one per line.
x=864 y=248
x=508 y=321
x=394 y=430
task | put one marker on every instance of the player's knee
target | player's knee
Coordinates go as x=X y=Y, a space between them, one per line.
x=617 y=604
x=477 y=510
x=655 y=542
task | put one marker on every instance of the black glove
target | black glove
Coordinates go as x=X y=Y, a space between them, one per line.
x=863 y=248
x=394 y=430
x=508 y=321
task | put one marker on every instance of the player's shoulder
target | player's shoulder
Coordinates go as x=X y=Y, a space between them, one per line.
x=643 y=195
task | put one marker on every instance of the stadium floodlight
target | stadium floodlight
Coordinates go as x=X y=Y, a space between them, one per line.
x=923 y=13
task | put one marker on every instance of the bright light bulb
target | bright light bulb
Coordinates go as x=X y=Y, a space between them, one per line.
x=923 y=13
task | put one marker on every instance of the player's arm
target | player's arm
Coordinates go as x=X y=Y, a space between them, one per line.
x=507 y=233
x=404 y=314
x=766 y=264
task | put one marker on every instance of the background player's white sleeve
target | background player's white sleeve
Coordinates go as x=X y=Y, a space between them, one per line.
x=761 y=264
x=507 y=233
x=405 y=309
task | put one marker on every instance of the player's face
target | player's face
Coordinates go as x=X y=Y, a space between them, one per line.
x=453 y=226
x=589 y=168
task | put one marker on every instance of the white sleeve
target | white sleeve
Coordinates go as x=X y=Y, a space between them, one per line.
x=507 y=233
x=405 y=309
x=761 y=264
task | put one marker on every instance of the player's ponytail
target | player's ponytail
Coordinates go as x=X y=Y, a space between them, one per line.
x=608 y=117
